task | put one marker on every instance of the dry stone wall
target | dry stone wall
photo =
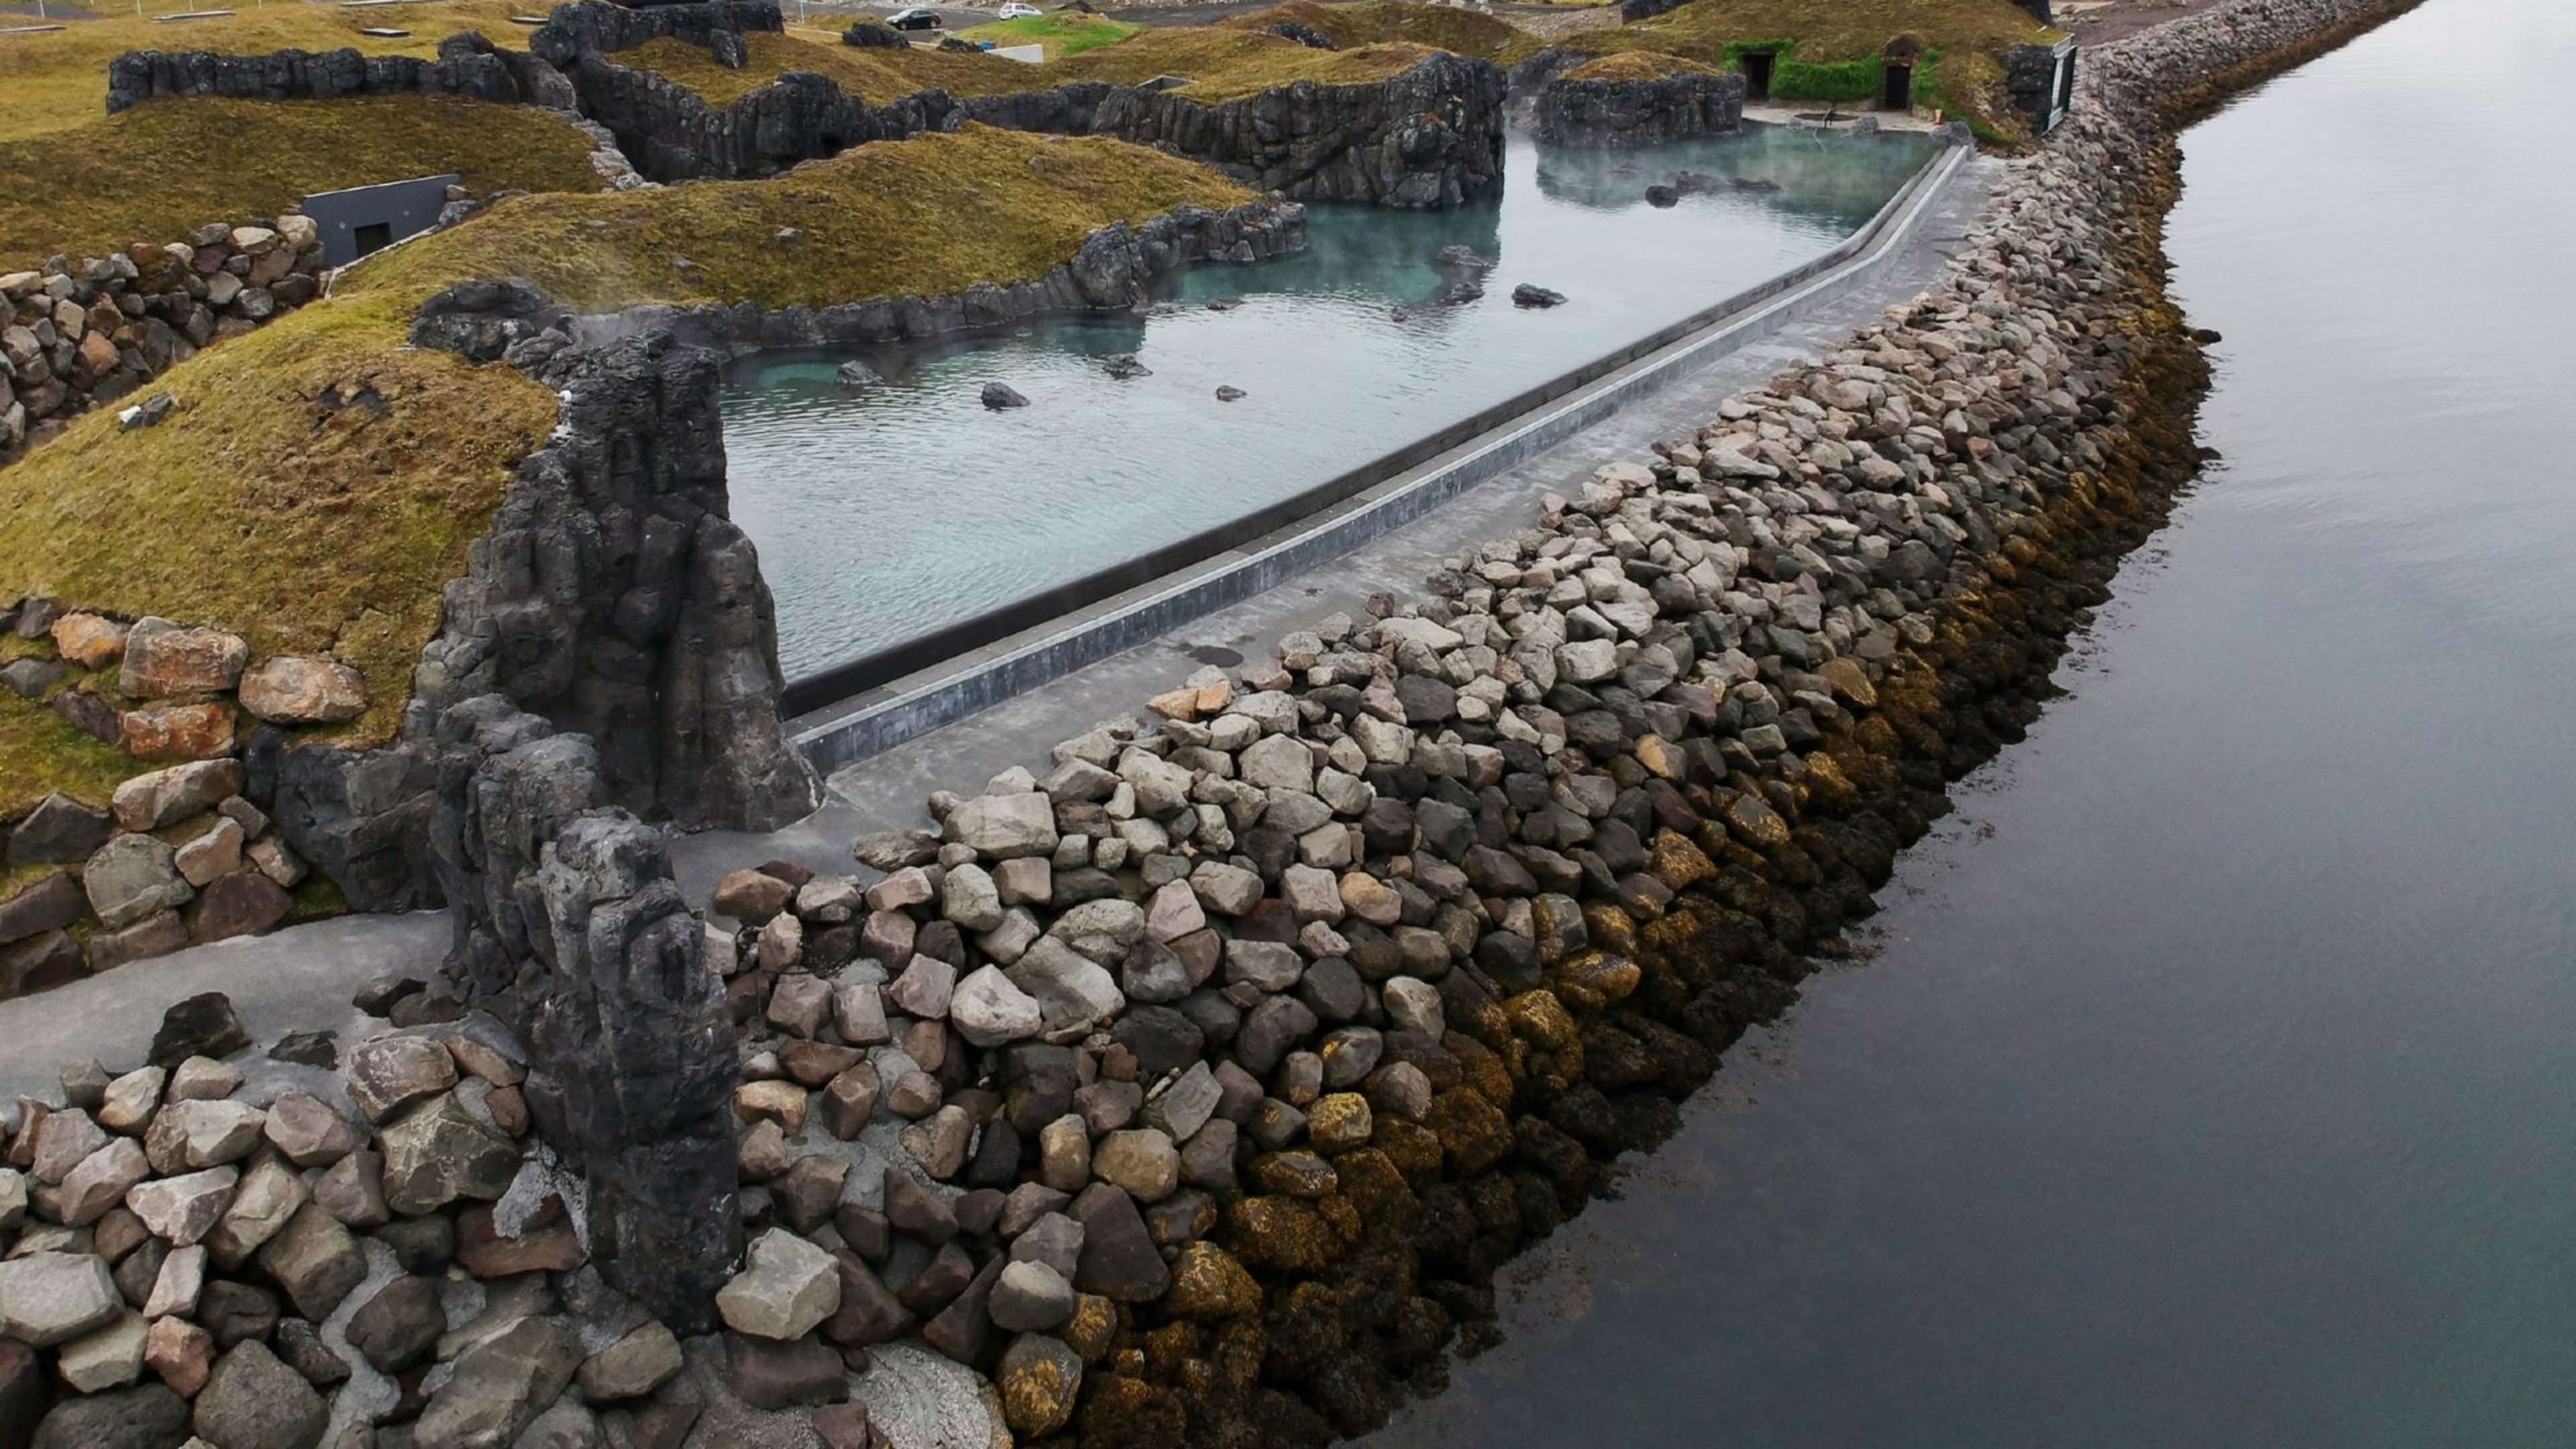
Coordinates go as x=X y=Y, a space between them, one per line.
x=77 y=334
x=181 y=854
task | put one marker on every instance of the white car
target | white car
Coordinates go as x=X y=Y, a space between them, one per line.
x=1017 y=11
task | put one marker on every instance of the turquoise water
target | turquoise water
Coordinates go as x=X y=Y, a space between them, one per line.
x=883 y=516
x=2214 y=1083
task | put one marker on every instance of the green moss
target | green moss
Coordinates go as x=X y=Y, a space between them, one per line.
x=314 y=898
x=1225 y=65
x=261 y=508
x=154 y=173
x=58 y=81
x=934 y=214
x=1828 y=50
x=1220 y=64
x=1064 y=33
x=873 y=75
x=40 y=755
x=1443 y=27
x=1636 y=65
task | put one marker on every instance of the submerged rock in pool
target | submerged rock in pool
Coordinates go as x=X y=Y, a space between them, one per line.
x=1228 y=394
x=1461 y=257
x=1662 y=196
x=855 y=377
x=1527 y=295
x=1125 y=366
x=1754 y=183
x=1224 y=304
x=1003 y=395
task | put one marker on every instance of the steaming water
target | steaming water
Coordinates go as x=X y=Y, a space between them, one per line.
x=887 y=515
x=2216 y=1084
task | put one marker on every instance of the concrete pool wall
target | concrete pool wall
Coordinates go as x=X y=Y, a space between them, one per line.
x=847 y=714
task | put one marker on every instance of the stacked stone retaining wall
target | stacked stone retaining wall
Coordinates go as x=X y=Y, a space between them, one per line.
x=75 y=334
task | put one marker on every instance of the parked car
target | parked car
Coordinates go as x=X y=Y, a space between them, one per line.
x=1017 y=11
x=914 y=19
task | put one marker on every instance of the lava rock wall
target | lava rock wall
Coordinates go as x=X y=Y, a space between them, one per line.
x=1639 y=113
x=1430 y=137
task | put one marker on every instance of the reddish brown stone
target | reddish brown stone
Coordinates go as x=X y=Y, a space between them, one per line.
x=179 y=731
x=164 y=661
x=284 y=690
x=158 y=934
x=486 y=1254
x=243 y=904
x=88 y=640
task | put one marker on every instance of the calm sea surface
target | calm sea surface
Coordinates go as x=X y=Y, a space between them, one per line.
x=2215 y=1080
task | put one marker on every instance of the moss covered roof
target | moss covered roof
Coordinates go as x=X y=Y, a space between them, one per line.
x=58 y=81
x=1443 y=27
x=151 y=174
x=1222 y=64
x=872 y=74
x=1831 y=47
x=934 y=214
x=1825 y=30
x=1636 y=65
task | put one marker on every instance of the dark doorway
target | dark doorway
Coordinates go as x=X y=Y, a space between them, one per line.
x=375 y=236
x=1757 y=74
x=1897 y=91
x=2065 y=80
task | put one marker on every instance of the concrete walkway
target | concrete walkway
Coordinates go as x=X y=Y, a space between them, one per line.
x=887 y=791
x=298 y=979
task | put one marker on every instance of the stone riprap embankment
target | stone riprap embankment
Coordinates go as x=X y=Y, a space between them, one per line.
x=1577 y=111
x=178 y=855
x=1191 y=1084
x=75 y=334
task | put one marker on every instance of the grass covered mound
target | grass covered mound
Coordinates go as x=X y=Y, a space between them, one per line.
x=934 y=214
x=315 y=486
x=58 y=81
x=151 y=174
x=1221 y=64
x=321 y=480
x=1224 y=65
x=1636 y=65
x=1441 y=27
x=1064 y=33
x=1829 y=49
x=873 y=75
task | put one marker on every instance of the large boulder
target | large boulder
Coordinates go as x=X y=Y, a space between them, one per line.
x=440 y=1153
x=786 y=1287
x=288 y=691
x=499 y=1386
x=164 y=660
x=51 y=1298
x=254 y=1401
